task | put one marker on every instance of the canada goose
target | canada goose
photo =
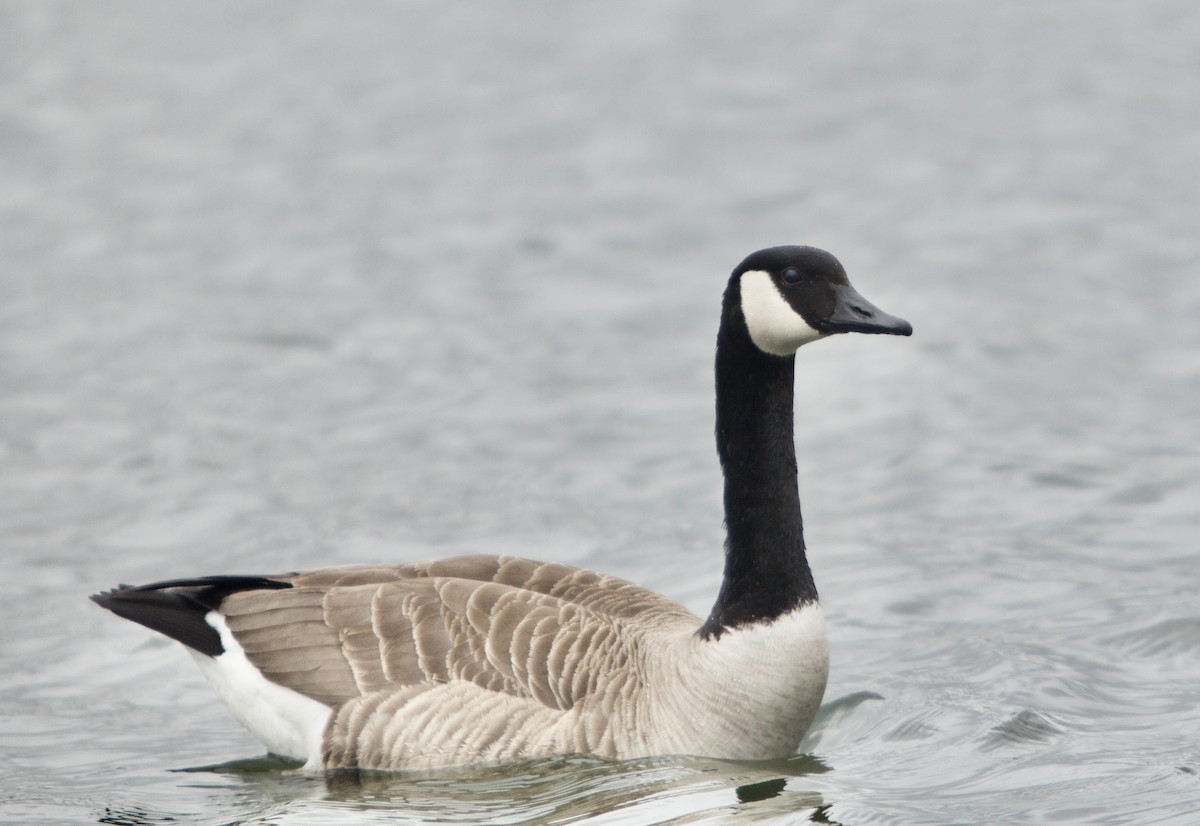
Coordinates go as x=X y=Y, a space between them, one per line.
x=493 y=658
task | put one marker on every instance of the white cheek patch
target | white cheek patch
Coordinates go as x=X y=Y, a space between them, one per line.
x=774 y=326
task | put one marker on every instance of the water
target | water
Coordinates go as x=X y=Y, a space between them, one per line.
x=287 y=285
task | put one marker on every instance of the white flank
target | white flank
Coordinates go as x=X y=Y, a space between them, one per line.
x=774 y=326
x=288 y=723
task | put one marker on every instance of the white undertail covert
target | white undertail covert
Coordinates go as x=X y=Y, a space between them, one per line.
x=287 y=722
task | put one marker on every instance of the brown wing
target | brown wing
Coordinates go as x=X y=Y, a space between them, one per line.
x=511 y=625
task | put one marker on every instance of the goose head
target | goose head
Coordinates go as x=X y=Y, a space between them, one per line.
x=792 y=295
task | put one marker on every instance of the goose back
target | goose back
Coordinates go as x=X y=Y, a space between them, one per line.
x=341 y=633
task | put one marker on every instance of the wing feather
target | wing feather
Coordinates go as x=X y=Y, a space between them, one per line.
x=528 y=629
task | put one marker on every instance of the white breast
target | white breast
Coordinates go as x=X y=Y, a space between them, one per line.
x=749 y=695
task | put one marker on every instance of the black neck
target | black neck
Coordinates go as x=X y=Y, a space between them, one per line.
x=766 y=571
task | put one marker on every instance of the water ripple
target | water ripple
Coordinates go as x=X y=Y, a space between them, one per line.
x=1170 y=637
x=1026 y=726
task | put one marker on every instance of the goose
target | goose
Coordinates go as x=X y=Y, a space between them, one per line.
x=488 y=659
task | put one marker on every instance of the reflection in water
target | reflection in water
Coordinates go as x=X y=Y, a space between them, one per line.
x=132 y=816
x=764 y=790
x=821 y=815
x=248 y=765
x=563 y=790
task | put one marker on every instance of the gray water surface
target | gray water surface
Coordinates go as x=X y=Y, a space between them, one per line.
x=285 y=285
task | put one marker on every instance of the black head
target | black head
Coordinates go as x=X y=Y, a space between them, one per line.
x=790 y=296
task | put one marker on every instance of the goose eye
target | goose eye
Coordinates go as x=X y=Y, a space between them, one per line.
x=791 y=276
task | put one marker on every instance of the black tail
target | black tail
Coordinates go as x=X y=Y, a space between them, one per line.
x=177 y=607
